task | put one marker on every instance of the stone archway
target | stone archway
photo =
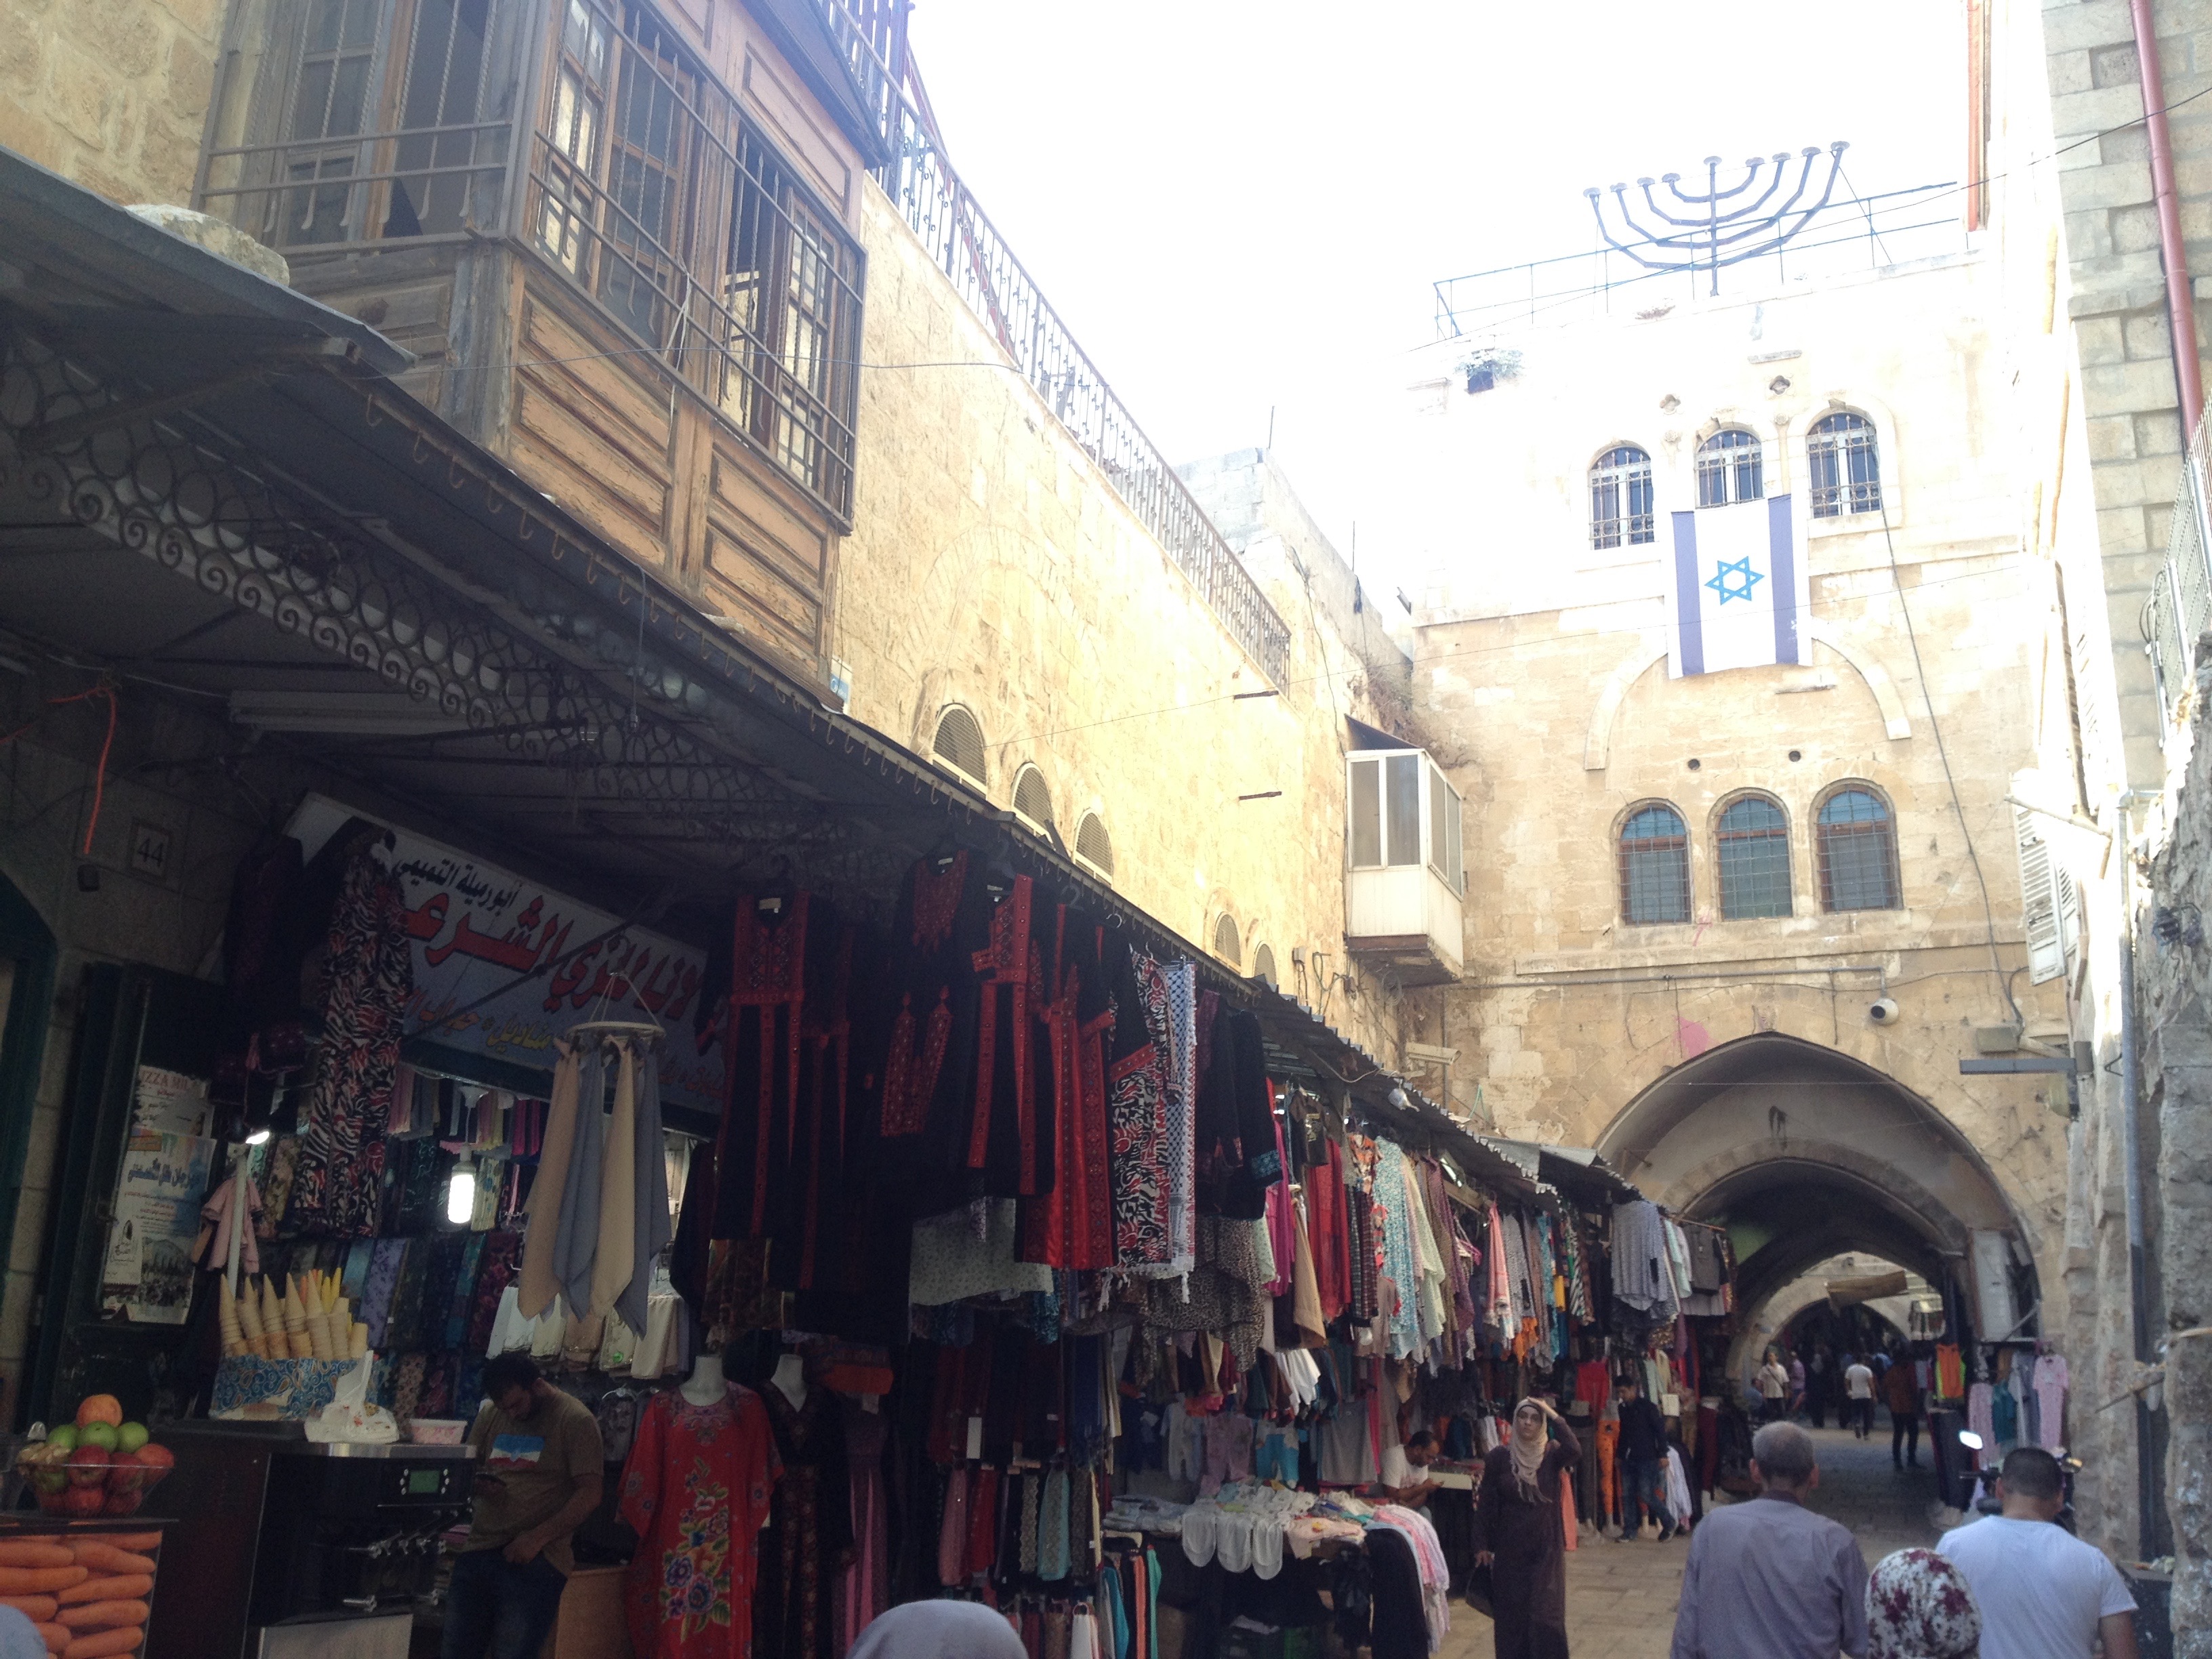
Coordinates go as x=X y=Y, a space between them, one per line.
x=1811 y=1153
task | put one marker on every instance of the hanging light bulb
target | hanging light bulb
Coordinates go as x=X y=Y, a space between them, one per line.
x=258 y=1138
x=461 y=1191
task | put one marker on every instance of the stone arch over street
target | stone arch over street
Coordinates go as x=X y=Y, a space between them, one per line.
x=1806 y=1153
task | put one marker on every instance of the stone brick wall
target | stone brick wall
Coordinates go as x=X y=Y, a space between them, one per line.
x=112 y=94
x=993 y=565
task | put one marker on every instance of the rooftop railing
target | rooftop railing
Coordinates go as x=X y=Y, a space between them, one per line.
x=968 y=247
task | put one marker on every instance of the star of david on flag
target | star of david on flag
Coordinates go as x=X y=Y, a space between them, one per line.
x=1741 y=596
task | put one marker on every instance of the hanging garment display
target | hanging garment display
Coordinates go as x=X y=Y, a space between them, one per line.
x=538 y=1282
x=340 y=1159
x=810 y=1530
x=695 y=1489
x=1138 y=1112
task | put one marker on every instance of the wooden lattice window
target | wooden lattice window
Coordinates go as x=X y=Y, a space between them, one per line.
x=1226 y=945
x=1753 y=842
x=1654 y=867
x=1856 y=838
x=1093 y=845
x=959 y=743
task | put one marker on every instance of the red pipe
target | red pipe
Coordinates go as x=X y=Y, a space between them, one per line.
x=2180 y=304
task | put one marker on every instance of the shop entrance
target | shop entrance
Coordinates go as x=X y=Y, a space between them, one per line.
x=1807 y=1156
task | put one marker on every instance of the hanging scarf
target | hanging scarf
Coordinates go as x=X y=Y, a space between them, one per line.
x=1528 y=1451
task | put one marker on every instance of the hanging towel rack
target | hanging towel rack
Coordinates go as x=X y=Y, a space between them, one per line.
x=617 y=1027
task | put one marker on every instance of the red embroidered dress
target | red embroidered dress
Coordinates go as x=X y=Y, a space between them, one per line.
x=695 y=1490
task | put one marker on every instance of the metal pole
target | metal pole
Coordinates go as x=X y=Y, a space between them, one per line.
x=2180 y=307
x=2131 y=1177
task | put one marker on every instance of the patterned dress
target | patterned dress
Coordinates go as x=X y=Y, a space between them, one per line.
x=372 y=976
x=809 y=1540
x=695 y=1489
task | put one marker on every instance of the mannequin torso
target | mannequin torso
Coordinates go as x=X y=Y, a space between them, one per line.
x=790 y=1380
x=705 y=1387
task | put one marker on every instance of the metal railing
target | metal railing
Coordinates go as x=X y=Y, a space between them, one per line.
x=2179 y=612
x=961 y=238
x=1855 y=233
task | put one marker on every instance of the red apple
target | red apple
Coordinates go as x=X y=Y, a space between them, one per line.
x=83 y=1500
x=126 y=1473
x=123 y=1503
x=88 y=1466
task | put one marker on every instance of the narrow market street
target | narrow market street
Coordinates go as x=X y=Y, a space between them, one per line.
x=1621 y=1598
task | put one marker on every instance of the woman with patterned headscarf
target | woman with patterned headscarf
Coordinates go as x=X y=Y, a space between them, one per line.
x=1521 y=1536
x=1918 y=1607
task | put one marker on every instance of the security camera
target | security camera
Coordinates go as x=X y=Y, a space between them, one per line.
x=1883 y=1012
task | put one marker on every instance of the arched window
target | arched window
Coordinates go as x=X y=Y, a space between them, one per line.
x=1032 y=798
x=1856 y=838
x=959 y=743
x=1844 y=464
x=1731 y=467
x=1754 y=840
x=1263 y=965
x=1654 y=867
x=1225 y=943
x=1620 y=498
x=1092 y=844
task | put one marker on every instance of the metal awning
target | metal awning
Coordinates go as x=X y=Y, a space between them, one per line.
x=1581 y=1172
x=209 y=484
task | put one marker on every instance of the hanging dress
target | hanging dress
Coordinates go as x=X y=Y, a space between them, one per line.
x=695 y=1489
x=804 y=1550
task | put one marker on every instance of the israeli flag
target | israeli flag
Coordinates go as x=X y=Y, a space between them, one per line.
x=1741 y=597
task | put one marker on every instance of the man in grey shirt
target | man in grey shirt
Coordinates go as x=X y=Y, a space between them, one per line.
x=1770 y=1579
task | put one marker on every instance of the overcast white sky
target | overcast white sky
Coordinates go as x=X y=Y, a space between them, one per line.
x=1239 y=205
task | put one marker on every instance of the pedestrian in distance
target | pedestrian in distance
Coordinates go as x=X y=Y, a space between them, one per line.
x=1901 y=1389
x=1859 y=1395
x=1796 y=1385
x=1918 y=1607
x=1521 y=1535
x=1773 y=1384
x=1768 y=1578
x=2044 y=1593
x=1641 y=1451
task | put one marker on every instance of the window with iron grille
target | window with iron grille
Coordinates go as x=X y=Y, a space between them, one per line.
x=1856 y=838
x=1753 y=842
x=1032 y=798
x=1654 y=867
x=1225 y=943
x=1263 y=964
x=959 y=743
x=1093 y=845
x=1731 y=467
x=1844 y=466
x=1620 y=498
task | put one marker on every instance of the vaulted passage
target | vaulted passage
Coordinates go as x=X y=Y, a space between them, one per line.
x=1806 y=1154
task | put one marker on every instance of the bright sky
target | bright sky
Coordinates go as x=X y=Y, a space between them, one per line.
x=1239 y=206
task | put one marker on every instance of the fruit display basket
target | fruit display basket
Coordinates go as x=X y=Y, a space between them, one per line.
x=87 y=1586
x=99 y=1465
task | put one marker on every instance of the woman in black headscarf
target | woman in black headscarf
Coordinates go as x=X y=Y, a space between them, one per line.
x=1521 y=1536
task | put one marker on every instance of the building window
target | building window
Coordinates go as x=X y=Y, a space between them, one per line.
x=1857 y=843
x=1225 y=943
x=959 y=744
x=1654 y=867
x=1032 y=800
x=1093 y=846
x=1263 y=965
x=1403 y=812
x=1731 y=467
x=1754 y=841
x=1844 y=464
x=1620 y=498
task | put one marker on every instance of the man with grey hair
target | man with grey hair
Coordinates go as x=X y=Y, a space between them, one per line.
x=1769 y=1579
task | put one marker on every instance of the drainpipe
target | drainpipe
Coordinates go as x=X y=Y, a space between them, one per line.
x=2180 y=305
x=2138 y=1266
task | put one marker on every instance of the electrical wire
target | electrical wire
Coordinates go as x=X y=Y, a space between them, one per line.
x=1943 y=754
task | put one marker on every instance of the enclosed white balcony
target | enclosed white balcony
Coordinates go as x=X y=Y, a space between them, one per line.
x=1404 y=893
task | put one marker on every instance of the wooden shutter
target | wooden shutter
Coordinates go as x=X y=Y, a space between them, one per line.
x=2039 y=896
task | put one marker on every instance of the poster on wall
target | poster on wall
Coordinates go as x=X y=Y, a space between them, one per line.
x=169 y=1103
x=149 y=1274
x=503 y=966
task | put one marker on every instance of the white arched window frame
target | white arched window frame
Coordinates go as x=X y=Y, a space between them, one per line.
x=1844 y=464
x=1731 y=467
x=1033 y=799
x=958 y=743
x=1622 y=504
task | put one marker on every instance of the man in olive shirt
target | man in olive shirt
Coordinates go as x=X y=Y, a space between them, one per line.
x=539 y=1471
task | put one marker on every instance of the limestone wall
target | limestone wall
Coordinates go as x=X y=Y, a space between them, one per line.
x=993 y=565
x=112 y=94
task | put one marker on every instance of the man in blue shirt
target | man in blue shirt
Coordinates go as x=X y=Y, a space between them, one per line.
x=1769 y=1579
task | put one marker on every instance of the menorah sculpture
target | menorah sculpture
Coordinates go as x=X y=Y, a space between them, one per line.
x=1718 y=236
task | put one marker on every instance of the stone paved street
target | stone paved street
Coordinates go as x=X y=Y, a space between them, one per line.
x=1622 y=1597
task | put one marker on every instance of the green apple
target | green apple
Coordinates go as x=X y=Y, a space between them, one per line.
x=102 y=1434
x=130 y=1436
x=64 y=1436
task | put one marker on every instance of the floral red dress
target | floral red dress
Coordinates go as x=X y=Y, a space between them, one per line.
x=695 y=1490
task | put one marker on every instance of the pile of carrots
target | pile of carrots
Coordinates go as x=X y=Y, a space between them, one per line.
x=87 y=1595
